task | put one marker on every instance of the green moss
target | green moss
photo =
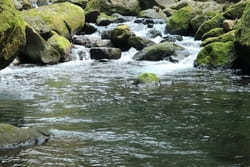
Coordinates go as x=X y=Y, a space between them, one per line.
x=120 y=36
x=179 y=22
x=235 y=11
x=229 y=36
x=93 y=5
x=12 y=33
x=147 y=78
x=64 y=18
x=216 y=55
x=214 y=22
x=104 y=19
x=213 y=33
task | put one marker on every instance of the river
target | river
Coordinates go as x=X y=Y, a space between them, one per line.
x=98 y=118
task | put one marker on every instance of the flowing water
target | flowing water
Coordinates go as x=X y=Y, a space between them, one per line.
x=99 y=118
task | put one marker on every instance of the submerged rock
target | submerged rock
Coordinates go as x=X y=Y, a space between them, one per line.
x=217 y=55
x=12 y=137
x=88 y=29
x=146 y=78
x=12 y=33
x=163 y=51
x=99 y=53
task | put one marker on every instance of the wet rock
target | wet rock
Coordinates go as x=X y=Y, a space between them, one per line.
x=154 y=33
x=120 y=37
x=155 y=13
x=148 y=21
x=150 y=25
x=12 y=33
x=160 y=51
x=62 y=45
x=91 y=41
x=119 y=18
x=146 y=4
x=91 y=16
x=172 y=38
x=37 y=50
x=12 y=137
x=104 y=20
x=138 y=42
x=217 y=55
x=99 y=53
x=87 y=29
x=138 y=21
x=64 y=18
x=106 y=34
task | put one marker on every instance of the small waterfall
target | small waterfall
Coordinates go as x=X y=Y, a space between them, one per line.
x=34 y=3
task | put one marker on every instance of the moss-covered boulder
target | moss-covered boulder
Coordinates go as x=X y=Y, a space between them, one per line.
x=138 y=42
x=12 y=33
x=214 y=22
x=37 y=50
x=129 y=7
x=62 y=45
x=146 y=78
x=12 y=137
x=217 y=55
x=213 y=33
x=199 y=19
x=235 y=11
x=229 y=36
x=242 y=43
x=63 y=18
x=162 y=51
x=120 y=37
x=179 y=22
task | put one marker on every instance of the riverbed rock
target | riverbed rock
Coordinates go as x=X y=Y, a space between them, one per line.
x=229 y=36
x=88 y=29
x=138 y=42
x=12 y=137
x=213 y=33
x=163 y=51
x=12 y=33
x=104 y=20
x=155 y=13
x=62 y=45
x=179 y=22
x=91 y=41
x=63 y=18
x=146 y=78
x=242 y=43
x=99 y=53
x=129 y=7
x=215 y=22
x=197 y=21
x=120 y=37
x=37 y=50
x=217 y=55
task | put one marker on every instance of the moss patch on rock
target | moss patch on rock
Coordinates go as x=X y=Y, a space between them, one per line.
x=63 y=18
x=213 y=33
x=216 y=55
x=12 y=33
x=147 y=78
x=229 y=36
x=215 y=22
x=235 y=11
x=179 y=22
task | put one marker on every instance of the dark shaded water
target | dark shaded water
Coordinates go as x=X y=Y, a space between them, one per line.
x=99 y=118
